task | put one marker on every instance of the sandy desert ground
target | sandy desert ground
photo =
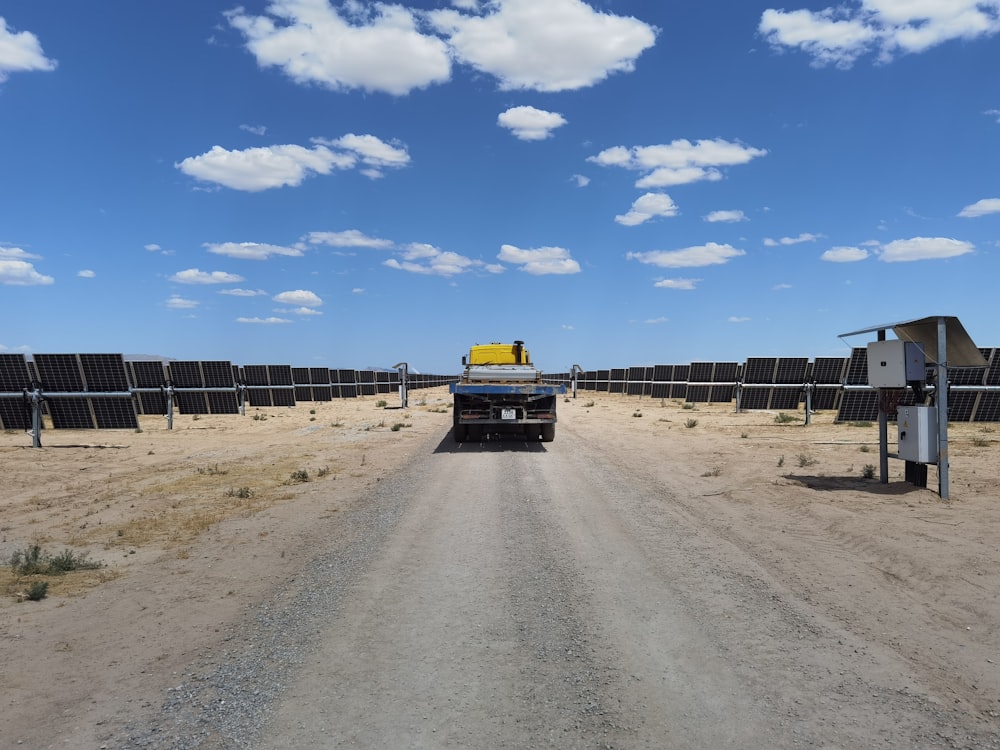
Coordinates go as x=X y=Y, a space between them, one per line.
x=194 y=525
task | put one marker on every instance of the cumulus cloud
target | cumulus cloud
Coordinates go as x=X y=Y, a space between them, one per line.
x=250 y=250
x=542 y=261
x=580 y=180
x=373 y=47
x=558 y=45
x=21 y=52
x=841 y=34
x=844 y=254
x=981 y=208
x=646 y=207
x=266 y=167
x=804 y=237
x=683 y=284
x=428 y=260
x=924 y=248
x=530 y=124
x=197 y=276
x=176 y=302
x=349 y=238
x=243 y=292
x=300 y=297
x=678 y=163
x=22 y=273
x=710 y=254
x=263 y=321
x=728 y=217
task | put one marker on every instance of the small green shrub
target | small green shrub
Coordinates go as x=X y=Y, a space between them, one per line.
x=381 y=404
x=687 y=405
x=781 y=461
x=298 y=477
x=398 y=426
x=805 y=460
x=243 y=493
x=691 y=423
x=637 y=413
x=37 y=591
x=67 y=561
x=783 y=418
x=717 y=471
x=865 y=449
x=28 y=561
x=323 y=471
x=868 y=472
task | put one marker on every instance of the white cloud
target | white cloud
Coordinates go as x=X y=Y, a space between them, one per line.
x=840 y=35
x=542 y=261
x=780 y=287
x=556 y=45
x=684 y=284
x=265 y=167
x=254 y=129
x=981 y=208
x=530 y=124
x=844 y=254
x=678 y=163
x=737 y=319
x=647 y=207
x=22 y=273
x=995 y=113
x=250 y=250
x=349 y=238
x=580 y=180
x=86 y=273
x=152 y=247
x=256 y=169
x=358 y=290
x=710 y=254
x=657 y=321
x=16 y=253
x=431 y=261
x=196 y=276
x=375 y=47
x=263 y=321
x=21 y=52
x=300 y=297
x=301 y=311
x=729 y=217
x=243 y=292
x=176 y=302
x=924 y=248
x=804 y=237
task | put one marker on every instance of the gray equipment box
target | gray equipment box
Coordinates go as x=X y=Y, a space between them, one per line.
x=918 y=433
x=892 y=364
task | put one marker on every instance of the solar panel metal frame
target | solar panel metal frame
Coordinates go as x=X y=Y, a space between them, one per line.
x=15 y=414
x=104 y=372
x=14 y=373
x=829 y=370
x=857 y=367
x=759 y=370
x=60 y=373
x=858 y=405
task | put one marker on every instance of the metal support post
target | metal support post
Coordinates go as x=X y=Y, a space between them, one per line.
x=941 y=397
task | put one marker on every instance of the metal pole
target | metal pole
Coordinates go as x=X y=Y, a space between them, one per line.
x=809 y=403
x=36 y=418
x=883 y=434
x=574 y=371
x=403 y=368
x=941 y=397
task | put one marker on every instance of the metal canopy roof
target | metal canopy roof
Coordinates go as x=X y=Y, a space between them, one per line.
x=961 y=350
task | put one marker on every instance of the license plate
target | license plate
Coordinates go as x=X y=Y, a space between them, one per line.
x=508 y=414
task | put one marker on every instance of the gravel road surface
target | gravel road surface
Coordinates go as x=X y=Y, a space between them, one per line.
x=506 y=594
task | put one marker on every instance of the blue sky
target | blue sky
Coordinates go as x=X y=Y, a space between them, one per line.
x=615 y=182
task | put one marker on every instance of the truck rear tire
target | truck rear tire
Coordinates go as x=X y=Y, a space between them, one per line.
x=532 y=432
x=460 y=433
x=548 y=433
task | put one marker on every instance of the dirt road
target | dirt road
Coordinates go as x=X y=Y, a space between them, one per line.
x=660 y=576
x=543 y=595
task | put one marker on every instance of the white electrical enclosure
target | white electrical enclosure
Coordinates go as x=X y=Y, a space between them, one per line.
x=918 y=433
x=892 y=364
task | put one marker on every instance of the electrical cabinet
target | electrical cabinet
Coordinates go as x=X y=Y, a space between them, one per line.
x=918 y=433
x=892 y=364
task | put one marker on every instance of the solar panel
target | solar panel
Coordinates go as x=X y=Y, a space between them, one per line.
x=113 y=413
x=222 y=402
x=725 y=372
x=698 y=394
x=663 y=373
x=104 y=372
x=857 y=367
x=993 y=373
x=829 y=369
x=722 y=393
x=759 y=370
x=152 y=403
x=700 y=372
x=192 y=403
x=217 y=374
x=786 y=398
x=147 y=374
x=319 y=376
x=322 y=393
x=961 y=404
x=255 y=375
x=988 y=409
x=71 y=413
x=59 y=372
x=14 y=375
x=791 y=370
x=300 y=375
x=185 y=374
x=826 y=399
x=755 y=397
x=858 y=406
x=15 y=414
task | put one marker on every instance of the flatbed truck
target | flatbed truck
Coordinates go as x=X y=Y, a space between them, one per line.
x=501 y=392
